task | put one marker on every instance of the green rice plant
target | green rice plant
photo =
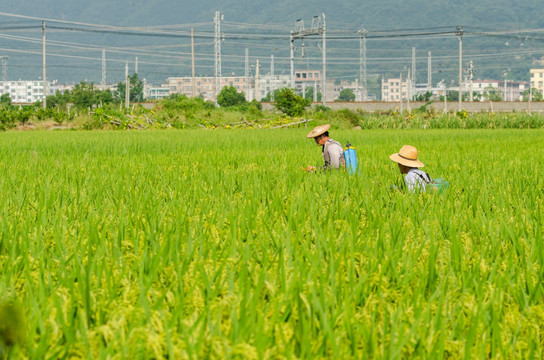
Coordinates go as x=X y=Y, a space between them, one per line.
x=214 y=244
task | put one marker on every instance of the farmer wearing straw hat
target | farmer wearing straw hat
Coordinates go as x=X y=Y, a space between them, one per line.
x=415 y=179
x=333 y=154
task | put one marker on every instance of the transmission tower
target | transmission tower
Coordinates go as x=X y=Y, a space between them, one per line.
x=103 y=83
x=362 y=64
x=217 y=40
x=460 y=35
x=4 y=67
x=318 y=28
x=470 y=79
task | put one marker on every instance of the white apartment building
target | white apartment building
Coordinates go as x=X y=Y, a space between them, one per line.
x=25 y=91
x=267 y=84
x=537 y=79
x=509 y=90
x=204 y=86
x=156 y=93
x=394 y=89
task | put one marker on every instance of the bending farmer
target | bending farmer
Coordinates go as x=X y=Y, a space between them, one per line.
x=333 y=154
x=415 y=179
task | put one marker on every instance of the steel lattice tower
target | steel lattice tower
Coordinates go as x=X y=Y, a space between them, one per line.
x=217 y=40
x=362 y=64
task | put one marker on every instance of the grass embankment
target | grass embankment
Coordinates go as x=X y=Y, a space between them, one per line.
x=186 y=113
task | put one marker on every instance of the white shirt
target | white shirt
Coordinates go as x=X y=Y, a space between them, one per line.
x=414 y=180
x=333 y=154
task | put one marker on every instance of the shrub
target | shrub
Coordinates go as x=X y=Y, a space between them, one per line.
x=290 y=103
x=229 y=97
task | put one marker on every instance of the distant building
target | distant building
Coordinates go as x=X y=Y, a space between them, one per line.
x=393 y=89
x=156 y=93
x=25 y=91
x=537 y=79
x=61 y=88
x=204 y=86
x=312 y=79
x=268 y=83
x=508 y=90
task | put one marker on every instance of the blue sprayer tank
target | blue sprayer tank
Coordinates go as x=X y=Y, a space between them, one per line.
x=350 y=158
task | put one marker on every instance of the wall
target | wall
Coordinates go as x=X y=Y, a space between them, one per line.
x=438 y=106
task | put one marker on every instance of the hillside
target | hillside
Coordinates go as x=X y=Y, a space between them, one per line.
x=506 y=56
x=488 y=14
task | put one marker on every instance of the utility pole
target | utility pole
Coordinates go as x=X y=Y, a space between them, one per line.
x=273 y=78
x=530 y=97
x=413 y=78
x=400 y=90
x=409 y=79
x=470 y=79
x=193 y=61
x=257 y=95
x=318 y=28
x=4 y=67
x=127 y=86
x=247 y=74
x=44 y=102
x=136 y=65
x=445 y=97
x=362 y=64
x=429 y=73
x=217 y=40
x=460 y=34
x=103 y=82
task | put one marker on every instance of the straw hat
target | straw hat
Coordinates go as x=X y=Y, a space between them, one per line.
x=318 y=130
x=407 y=156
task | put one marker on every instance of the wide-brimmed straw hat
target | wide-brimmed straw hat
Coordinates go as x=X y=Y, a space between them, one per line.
x=318 y=130
x=407 y=156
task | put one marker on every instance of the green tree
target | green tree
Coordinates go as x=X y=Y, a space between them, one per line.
x=290 y=103
x=229 y=96
x=83 y=95
x=452 y=95
x=423 y=97
x=5 y=101
x=136 y=89
x=268 y=96
x=535 y=95
x=104 y=97
x=492 y=94
x=346 y=95
x=58 y=100
x=309 y=94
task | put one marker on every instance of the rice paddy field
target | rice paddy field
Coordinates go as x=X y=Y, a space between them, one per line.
x=199 y=244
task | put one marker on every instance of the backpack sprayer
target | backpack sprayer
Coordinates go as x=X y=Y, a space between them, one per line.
x=350 y=159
